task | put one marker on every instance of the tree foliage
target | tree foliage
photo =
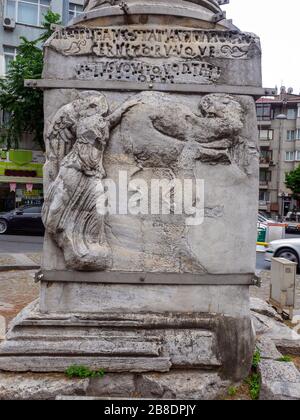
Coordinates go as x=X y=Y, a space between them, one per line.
x=293 y=182
x=25 y=105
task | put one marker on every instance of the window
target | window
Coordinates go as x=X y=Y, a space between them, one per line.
x=265 y=176
x=32 y=210
x=291 y=113
x=29 y=12
x=265 y=134
x=293 y=135
x=297 y=155
x=289 y=156
x=298 y=111
x=266 y=156
x=10 y=54
x=264 y=112
x=264 y=196
x=74 y=10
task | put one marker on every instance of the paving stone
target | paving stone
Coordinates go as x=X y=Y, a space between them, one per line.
x=279 y=381
x=260 y=306
x=39 y=386
x=182 y=385
x=268 y=349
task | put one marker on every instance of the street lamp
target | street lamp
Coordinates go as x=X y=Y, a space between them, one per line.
x=283 y=196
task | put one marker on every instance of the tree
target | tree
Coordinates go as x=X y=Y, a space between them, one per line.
x=292 y=181
x=25 y=105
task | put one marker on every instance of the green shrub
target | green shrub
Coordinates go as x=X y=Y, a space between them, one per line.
x=285 y=359
x=83 y=372
x=232 y=391
x=254 y=386
x=256 y=359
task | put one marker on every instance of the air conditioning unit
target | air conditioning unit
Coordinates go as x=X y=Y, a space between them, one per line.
x=9 y=24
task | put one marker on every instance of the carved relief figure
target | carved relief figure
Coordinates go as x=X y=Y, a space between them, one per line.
x=159 y=132
x=77 y=139
x=174 y=135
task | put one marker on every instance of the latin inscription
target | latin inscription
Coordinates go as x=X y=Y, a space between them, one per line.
x=153 y=42
x=137 y=71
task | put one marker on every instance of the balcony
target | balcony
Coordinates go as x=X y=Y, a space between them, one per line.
x=265 y=142
x=265 y=161
x=264 y=123
x=264 y=205
x=264 y=185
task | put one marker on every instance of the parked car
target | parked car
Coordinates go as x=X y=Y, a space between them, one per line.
x=264 y=219
x=284 y=248
x=26 y=219
x=292 y=222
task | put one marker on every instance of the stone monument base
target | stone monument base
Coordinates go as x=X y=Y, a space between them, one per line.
x=133 y=331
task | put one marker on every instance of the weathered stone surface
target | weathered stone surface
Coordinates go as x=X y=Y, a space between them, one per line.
x=192 y=348
x=60 y=364
x=287 y=346
x=112 y=385
x=39 y=387
x=141 y=342
x=279 y=381
x=2 y=327
x=173 y=136
x=268 y=349
x=262 y=307
x=114 y=298
x=162 y=133
x=272 y=328
x=181 y=385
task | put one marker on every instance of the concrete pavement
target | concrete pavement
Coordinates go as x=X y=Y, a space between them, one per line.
x=20 y=244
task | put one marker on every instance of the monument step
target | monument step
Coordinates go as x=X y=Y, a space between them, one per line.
x=89 y=345
x=53 y=364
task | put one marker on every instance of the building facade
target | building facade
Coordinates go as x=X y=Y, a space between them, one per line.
x=279 y=139
x=21 y=173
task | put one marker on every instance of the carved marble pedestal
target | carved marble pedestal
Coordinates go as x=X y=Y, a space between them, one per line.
x=156 y=92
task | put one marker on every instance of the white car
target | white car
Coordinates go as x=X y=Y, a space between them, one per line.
x=264 y=220
x=284 y=248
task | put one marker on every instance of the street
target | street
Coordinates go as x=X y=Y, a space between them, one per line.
x=261 y=264
x=20 y=244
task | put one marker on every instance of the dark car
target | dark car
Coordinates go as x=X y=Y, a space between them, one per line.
x=27 y=219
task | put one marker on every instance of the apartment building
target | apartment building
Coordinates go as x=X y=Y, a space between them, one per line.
x=21 y=173
x=279 y=139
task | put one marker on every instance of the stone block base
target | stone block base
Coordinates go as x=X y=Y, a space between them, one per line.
x=129 y=343
x=178 y=384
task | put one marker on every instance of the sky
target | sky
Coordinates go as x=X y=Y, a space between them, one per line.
x=277 y=22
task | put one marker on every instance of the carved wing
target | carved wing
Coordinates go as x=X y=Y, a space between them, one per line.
x=61 y=135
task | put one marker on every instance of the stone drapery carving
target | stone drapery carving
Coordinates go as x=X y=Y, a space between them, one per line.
x=156 y=130
x=77 y=139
